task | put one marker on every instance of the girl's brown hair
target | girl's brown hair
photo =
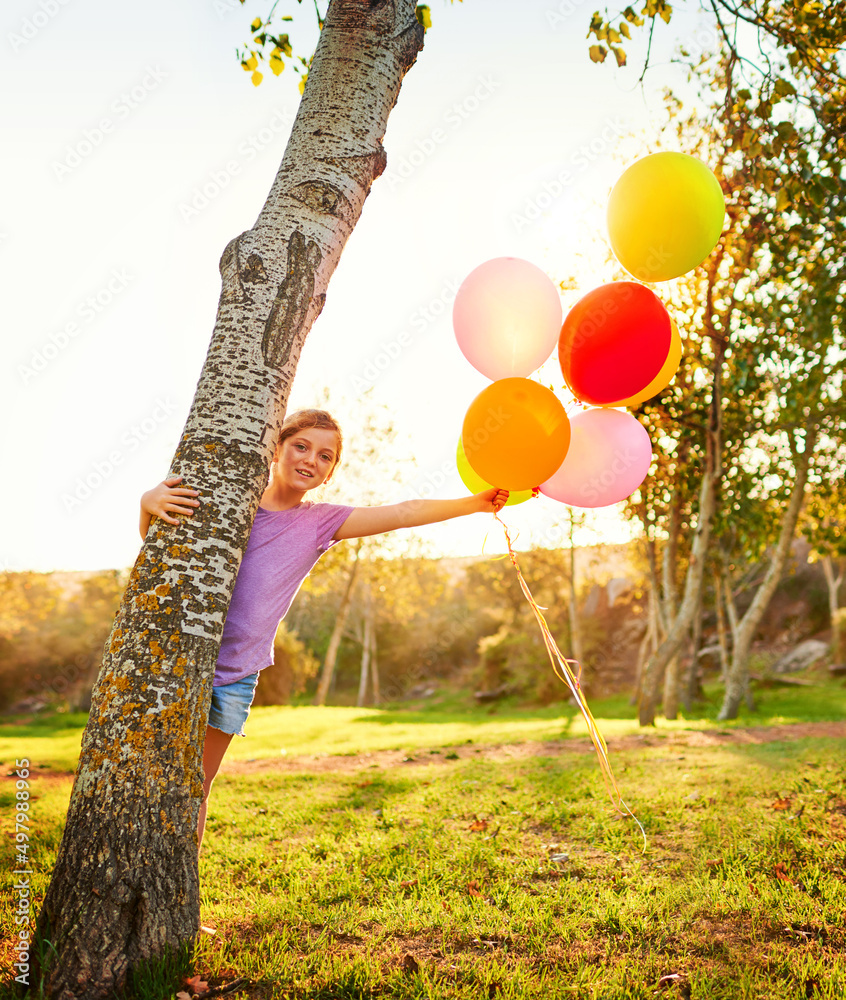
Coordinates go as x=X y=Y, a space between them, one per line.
x=304 y=419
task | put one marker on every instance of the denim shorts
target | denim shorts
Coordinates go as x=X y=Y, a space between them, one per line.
x=230 y=705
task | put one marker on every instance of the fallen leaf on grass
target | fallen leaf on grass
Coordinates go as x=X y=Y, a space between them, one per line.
x=780 y=873
x=408 y=884
x=197 y=987
x=473 y=889
x=714 y=863
x=478 y=825
x=780 y=805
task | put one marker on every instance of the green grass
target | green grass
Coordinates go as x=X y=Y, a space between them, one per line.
x=515 y=878
x=53 y=740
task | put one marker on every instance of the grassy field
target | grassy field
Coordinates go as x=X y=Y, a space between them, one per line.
x=462 y=854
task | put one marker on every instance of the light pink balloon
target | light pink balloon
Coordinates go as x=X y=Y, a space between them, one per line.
x=507 y=318
x=609 y=457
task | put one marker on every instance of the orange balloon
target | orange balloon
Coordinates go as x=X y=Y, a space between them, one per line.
x=516 y=434
x=664 y=377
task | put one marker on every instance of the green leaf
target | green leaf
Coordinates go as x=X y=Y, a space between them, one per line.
x=424 y=16
x=783 y=88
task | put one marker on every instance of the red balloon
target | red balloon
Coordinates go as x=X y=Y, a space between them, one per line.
x=614 y=342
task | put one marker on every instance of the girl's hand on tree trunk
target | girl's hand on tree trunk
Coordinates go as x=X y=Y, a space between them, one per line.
x=168 y=499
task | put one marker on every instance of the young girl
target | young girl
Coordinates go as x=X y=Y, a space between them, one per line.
x=288 y=536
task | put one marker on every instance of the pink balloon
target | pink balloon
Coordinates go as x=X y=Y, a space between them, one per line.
x=609 y=457
x=507 y=318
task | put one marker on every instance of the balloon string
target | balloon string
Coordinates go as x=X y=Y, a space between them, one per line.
x=561 y=667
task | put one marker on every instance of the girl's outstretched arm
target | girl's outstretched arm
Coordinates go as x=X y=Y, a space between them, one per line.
x=164 y=501
x=413 y=513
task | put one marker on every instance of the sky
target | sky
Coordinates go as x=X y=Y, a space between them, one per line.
x=135 y=148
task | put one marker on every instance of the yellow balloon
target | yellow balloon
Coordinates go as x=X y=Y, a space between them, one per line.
x=664 y=377
x=474 y=482
x=665 y=216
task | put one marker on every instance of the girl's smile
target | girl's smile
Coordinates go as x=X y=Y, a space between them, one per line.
x=304 y=461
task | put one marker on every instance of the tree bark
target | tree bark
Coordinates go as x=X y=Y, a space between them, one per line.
x=575 y=630
x=366 y=647
x=722 y=635
x=656 y=664
x=833 y=582
x=693 y=685
x=737 y=685
x=374 y=665
x=125 y=887
x=328 y=672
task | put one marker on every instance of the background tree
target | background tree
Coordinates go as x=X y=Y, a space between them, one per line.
x=824 y=525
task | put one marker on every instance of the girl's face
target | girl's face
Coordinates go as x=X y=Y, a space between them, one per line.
x=306 y=459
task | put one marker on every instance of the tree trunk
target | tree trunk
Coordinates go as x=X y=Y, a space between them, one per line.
x=125 y=888
x=366 y=647
x=328 y=672
x=656 y=664
x=645 y=644
x=374 y=665
x=833 y=583
x=737 y=685
x=722 y=635
x=575 y=632
x=670 y=702
x=693 y=685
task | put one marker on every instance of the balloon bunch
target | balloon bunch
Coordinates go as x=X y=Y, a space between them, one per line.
x=617 y=346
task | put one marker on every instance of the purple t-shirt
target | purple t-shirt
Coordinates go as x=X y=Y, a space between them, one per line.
x=283 y=547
